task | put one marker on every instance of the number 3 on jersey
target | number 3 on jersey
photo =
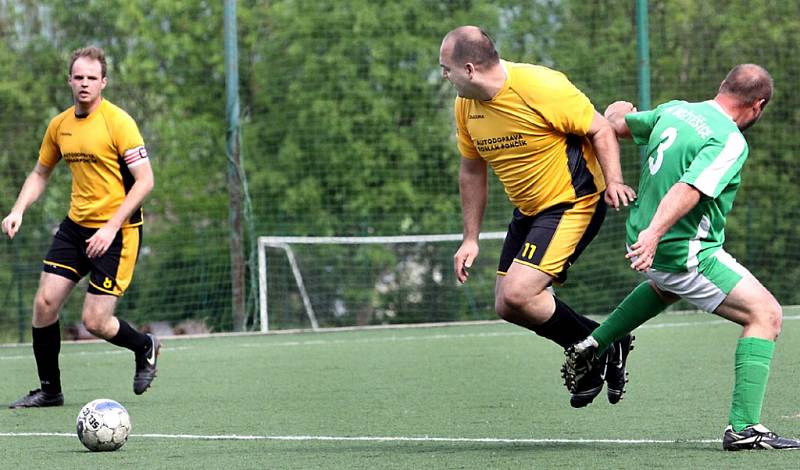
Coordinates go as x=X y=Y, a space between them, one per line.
x=667 y=139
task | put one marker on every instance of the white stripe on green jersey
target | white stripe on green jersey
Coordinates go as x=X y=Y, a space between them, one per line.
x=694 y=143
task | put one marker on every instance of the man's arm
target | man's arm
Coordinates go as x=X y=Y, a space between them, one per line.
x=98 y=243
x=31 y=190
x=473 y=186
x=606 y=147
x=679 y=200
x=615 y=114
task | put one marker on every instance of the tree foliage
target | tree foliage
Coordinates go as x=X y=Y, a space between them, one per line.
x=347 y=125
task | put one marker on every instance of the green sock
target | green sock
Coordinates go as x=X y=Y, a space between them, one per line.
x=639 y=306
x=753 y=356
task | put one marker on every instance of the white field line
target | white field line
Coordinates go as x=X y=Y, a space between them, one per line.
x=452 y=440
x=384 y=339
x=87 y=353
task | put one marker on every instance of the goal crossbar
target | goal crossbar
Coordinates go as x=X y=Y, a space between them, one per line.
x=285 y=243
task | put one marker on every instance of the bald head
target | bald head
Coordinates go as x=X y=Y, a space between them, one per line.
x=470 y=44
x=747 y=83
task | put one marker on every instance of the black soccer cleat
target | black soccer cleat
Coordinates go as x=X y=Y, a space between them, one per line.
x=756 y=437
x=587 y=389
x=616 y=371
x=39 y=398
x=584 y=372
x=146 y=366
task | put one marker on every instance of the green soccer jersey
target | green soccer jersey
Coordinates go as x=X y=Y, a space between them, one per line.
x=694 y=143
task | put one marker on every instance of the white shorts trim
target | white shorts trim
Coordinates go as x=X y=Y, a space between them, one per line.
x=693 y=286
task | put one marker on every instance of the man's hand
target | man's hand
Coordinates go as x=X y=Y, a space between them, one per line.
x=97 y=244
x=644 y=250
x=615 y=114
x=463 y=259
x=619 y=108
x=11 y=224
x=619 y=194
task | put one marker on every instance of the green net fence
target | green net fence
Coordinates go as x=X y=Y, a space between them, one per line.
x=347 y=130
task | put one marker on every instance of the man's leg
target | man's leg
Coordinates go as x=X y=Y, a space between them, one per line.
x=643 y=303
x=98 y=317
x=522 y=298
x=751 y=305
x=538 y=250
x=46 y=334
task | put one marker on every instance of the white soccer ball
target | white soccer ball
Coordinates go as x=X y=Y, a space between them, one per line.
x=103 y=425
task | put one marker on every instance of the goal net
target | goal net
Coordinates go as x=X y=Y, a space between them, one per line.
x=317 y=282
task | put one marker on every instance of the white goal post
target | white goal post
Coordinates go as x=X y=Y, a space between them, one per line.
x=286 y=244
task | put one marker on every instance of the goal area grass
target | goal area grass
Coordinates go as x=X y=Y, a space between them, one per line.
x=485 y=395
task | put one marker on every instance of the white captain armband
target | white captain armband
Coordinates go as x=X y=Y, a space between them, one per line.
x=135 y=156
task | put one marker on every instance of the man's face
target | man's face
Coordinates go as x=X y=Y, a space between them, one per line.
x=452 y=72
x=86 y=81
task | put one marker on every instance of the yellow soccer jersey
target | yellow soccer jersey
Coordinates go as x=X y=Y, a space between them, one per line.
x=533 y=133
x=99 y=149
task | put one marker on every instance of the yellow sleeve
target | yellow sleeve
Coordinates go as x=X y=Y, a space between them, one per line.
x=465 y=144
x=49 y=152
x=565 y=107
x=126 y=134
x=128 y=140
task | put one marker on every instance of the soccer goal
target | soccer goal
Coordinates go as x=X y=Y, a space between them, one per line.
x=317 y=282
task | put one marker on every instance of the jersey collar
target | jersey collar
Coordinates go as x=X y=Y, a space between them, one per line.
x=716 y=106
x=507 y=83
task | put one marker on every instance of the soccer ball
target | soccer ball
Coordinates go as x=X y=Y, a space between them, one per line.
x=103 y=424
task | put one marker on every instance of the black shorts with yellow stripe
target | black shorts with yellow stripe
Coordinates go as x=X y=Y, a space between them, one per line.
x=552 y=240
x=110 y=274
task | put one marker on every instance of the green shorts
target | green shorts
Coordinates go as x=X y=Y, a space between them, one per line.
x=705 y=286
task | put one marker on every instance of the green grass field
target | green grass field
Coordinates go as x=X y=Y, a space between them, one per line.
x=466 y=396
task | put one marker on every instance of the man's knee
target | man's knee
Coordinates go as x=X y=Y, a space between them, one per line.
x=43 y=305
x=773 y=316
x=767 y=316
x=511 y=301
x=93 y=325
x=502 y=308
x=98 y=325
x=97 y=317
x=45 y=309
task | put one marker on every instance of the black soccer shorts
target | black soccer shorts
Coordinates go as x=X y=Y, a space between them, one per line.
x=110 y=274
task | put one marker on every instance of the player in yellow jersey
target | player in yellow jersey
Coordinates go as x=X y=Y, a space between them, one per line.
x=101 y=235
x=550 y=149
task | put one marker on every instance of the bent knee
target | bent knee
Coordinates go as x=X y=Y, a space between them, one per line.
x=770 y=317
x=98 y=325
x=775 y=318
x=93 y=325
x=44 y=304
x=45 y=310
x=511 y=303
x=508 y=303
x=503 y=310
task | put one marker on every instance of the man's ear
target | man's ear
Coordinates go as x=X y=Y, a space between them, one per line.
x=470 y=67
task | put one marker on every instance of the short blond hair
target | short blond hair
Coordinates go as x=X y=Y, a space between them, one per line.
x=91 y=52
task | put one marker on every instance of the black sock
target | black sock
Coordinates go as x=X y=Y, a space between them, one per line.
x=46 y=347
x=129 y=338
x=565 y=327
